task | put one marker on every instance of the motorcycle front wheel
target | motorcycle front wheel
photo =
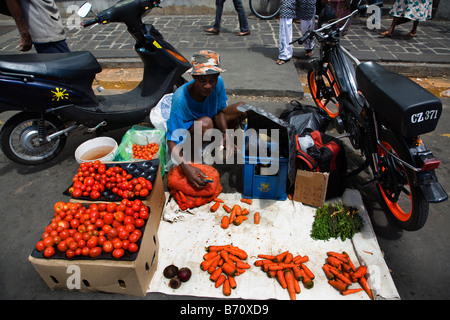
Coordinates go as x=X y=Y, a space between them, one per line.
x=21 y=142
x=321 y=88
x=401 y=199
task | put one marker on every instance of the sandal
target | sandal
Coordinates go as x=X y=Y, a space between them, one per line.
x=386 y=34
x=411 y=35
x=281 y=61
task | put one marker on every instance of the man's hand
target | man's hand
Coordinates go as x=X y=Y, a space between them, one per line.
x=194 y=175
x=25 y=42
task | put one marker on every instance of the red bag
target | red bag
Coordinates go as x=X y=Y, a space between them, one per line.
x=185 y=194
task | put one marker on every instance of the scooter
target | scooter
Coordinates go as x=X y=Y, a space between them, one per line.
x=54 y=91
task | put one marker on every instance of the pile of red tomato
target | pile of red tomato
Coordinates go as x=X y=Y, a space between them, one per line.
x=94 y=178
x=146 y=152
x=76 y=230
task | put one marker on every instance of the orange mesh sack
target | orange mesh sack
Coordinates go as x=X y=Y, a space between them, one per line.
x=185 y=194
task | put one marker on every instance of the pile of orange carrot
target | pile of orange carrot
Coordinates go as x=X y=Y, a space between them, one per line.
x=237 y=214
x=224 y=263
x=289 y=271
x=341 y=274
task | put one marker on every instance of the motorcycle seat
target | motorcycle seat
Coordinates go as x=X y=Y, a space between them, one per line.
x=55 y=65
x=404 y=104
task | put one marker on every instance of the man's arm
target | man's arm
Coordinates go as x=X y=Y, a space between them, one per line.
x=15 y=7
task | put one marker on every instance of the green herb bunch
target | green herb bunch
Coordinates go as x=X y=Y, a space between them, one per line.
x=336 y=220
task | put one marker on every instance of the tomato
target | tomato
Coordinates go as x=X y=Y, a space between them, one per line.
x=123 y=235
x=139 y=223
x=128 y=220
x=95 y=252
x=73 y=245
x=85 y=251
x=111 y=207
x=102 y=206
x=92 y=242
x=89 y=181
x=117 y=243
x=119 y=216
x=133 y=247
x=130 y=227
x=40 y=246
x=95 y=194
x=70 y=254
x=64 y=224
x=108 y=246
x=112 y=233
x=48 y=242
x=118 y=253
x=108 y=218
x=133 y=237
x=143 y=214
x=62 y=246
x=59 y=206
x=99 y=223
x=49 y=252
x=125 y=244
x=64 y=234
x=144 y=192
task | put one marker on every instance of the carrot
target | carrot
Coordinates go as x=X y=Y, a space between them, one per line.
x=239 y=219
x=218 y=200
x=335 y=262
x=224 y=256
x=327 y=271
x=213 y=266
x=339 y=275
x=216 y=248
x=226 y=208
x=241 y=254
x=225 y=222
x=307 y=271
x=350 y=291
x=290 y=196
x=233 y=213
x=215 y=275
x=226 y=290
x=256 y=217
x=232 y=280
x=346 y=268
x=350 y=261
x=242 y=265
x=259 y=263
x=297 y=286
x=271 y=274
x=209 y=255
x=207 y=263
x=266 y=256
x=247 y=201
x=245 y=212
x=280 y=257
x=214 y=207
x=289 y=257
x=338 y=285
x=299 y=259
x=360 y=272
x=297 y=273
x=220 y=280
x=229 y=269
x=289 y=278
x=182 y=196
x=281 y=278
x=280 y=266
x=307 y=281
x=336 y=255
x=363 y=282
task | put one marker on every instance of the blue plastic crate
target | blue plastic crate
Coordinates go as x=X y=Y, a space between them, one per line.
x=259 y=186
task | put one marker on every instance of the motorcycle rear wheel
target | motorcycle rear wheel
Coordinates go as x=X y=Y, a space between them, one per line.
x=265 y=9
x=401 y=200
x=20 y=141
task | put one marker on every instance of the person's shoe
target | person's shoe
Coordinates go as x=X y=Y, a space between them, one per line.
x=240 y=34
x=211 y=30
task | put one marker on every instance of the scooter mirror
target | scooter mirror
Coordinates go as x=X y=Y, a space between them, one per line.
x=84 y=10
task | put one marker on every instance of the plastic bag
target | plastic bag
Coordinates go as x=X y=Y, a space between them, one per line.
x=161 y=112
x=305 y=118
x=142 y=135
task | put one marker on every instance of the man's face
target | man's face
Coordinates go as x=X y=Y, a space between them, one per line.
x=205 y=84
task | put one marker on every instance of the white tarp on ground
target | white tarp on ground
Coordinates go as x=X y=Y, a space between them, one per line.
x=285 y=225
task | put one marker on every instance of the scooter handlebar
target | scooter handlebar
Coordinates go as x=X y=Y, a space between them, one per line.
x=89 y=22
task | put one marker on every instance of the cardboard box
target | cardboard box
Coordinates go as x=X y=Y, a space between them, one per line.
x=113 y=276
x=311 y=187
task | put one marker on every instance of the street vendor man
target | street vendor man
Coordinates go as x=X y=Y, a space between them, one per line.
x=198 y=106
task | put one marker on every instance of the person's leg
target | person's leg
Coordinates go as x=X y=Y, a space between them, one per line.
x=388 y=33
x=413 y=31
x=219 y=10
x=243 y=22
x=52 y=47
x=197 y=131
x=232 y=116
x=284 y=38
x=305 y=26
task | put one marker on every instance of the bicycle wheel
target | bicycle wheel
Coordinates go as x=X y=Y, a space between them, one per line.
x=265 y=9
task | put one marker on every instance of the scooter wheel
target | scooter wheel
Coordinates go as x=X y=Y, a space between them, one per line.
x=20 y=140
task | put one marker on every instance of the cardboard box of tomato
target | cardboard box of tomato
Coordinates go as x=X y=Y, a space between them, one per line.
x=131 y=277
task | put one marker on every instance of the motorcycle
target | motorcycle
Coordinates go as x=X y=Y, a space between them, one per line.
x=54 y=94
x=383 y=114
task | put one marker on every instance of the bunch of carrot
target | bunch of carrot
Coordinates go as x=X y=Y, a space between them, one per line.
x=237 y=213
x=224 y=263
x=288 y=269
x=341 y=274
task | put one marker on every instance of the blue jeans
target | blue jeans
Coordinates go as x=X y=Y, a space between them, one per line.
x=52 y=47
x=243 y=23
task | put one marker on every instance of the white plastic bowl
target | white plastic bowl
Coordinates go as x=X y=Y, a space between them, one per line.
x=101 y=148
